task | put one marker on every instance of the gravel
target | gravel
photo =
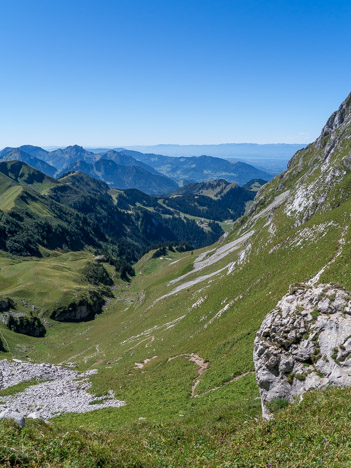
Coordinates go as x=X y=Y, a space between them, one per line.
x=59 y=390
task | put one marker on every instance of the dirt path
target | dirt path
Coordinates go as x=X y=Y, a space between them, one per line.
x=140 y=365
x=240 y=376
x=202 y=368
x=198 y=361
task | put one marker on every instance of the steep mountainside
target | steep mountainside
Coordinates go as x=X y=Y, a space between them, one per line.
x=176 y=344
x=218 y=200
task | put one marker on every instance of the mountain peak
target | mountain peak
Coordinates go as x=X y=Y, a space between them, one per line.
x=76 y=148
x=29 y=149
x=338 y=118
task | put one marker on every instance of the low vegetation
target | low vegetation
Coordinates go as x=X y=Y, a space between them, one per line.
x=312 y=433
x=31 y=325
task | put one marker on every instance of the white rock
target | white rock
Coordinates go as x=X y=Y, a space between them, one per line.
x=293 y=355
x=59 y=390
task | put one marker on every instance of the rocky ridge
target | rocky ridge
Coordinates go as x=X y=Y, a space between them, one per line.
x=313 y=172
x=304 y=343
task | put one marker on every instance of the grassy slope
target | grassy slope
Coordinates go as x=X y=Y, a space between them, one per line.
x=161 y=391
x=44 y=282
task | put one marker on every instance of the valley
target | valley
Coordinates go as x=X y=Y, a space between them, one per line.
x=175 y=340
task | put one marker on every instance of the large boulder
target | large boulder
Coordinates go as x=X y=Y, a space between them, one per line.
x=304 y=343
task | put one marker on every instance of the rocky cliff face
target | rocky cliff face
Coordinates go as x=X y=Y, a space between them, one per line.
x=82 y=309
x=304 y=343
x=314 y=172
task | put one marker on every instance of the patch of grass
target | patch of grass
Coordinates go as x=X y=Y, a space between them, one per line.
x=21 y=387
x=300 y=435
x=98 y=402
x=8 y=199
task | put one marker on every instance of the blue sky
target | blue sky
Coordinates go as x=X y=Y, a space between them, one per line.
x=129 y=72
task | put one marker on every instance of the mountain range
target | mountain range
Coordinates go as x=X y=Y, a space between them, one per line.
x=182 y=354
x=271 y=158
x=201 y=168
x=40 y=214
x=153 y=174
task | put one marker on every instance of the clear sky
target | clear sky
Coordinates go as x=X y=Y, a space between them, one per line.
x=129 y=72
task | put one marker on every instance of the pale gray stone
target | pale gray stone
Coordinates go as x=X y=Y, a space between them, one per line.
x=304 y=347
x=59 y=390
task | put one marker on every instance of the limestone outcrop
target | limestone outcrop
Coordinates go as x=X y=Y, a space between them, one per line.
x=304 y=343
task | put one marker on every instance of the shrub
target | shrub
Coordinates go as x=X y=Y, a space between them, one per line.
x=96 y=274
x=277 y=404
x=31 y=326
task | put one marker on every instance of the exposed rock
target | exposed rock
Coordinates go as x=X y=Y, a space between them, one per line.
x=14 y=415
x=304 y=343
x=82 y=309
x=337 y=118
x=57 y=390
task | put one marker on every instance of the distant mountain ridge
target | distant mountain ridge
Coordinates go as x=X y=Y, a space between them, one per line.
x=222 y=149
x=271 y=158
x=20 y=155
x=201 y=168
x=124 y=177
x=123 y=169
